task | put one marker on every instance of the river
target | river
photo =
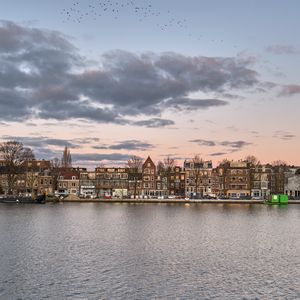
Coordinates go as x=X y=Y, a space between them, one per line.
x=149 y=251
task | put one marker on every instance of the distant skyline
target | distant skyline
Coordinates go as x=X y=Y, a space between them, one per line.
x=111 y=79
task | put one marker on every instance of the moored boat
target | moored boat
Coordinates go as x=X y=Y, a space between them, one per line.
x=22 y=199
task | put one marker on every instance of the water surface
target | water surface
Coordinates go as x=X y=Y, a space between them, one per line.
x=149 y=251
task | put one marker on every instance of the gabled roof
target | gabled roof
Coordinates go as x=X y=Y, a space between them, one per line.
x=68 y=174
x=147 y=161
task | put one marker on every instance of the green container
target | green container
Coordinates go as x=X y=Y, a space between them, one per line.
x=284 y=199
x=275 y=199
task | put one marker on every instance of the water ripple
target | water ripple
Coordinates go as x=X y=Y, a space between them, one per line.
x=102 y=251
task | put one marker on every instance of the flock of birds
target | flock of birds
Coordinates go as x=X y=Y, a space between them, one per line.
x=96 y=9
x=78 y=12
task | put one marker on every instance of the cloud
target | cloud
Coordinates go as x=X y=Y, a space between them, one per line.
x=282 y=49
x=204 y=142
x=42 y=147
x=232 y=145
x=235 y=144
x=290 y=90
x=283 y=135
x=100 y=157
x=41 y=141
x=154 y=123
x=193 y=104
x=43 y=76
x=218 y=153
x=129 y=145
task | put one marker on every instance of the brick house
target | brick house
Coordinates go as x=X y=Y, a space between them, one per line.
x=68 y=182
x=148 y=178
x=111 y=182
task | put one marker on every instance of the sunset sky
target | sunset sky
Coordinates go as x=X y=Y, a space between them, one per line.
x=111 y=79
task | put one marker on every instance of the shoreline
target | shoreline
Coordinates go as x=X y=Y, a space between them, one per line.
x=171 y=201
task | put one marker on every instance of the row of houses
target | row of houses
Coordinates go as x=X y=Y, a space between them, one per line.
x=196 y=179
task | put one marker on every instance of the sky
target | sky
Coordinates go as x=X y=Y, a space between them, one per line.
x=112 y=79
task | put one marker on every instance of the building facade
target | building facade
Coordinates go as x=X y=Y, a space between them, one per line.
x=149 y=178
x=237 y=180
x=87 y=184
x=111 y=182
x=68 y=183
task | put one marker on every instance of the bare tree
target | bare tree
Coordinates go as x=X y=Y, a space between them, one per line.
x=278 y=162
x=30 y=173
x=160 y=168
x=55 y=171
x=169 y=164
x=135 y=164
x=166 y=166
x=15 y=157
x=66 y=161
x=197 y=159
x=31 y=179
x=224 y=161
x=253 y=160
x=28 y=155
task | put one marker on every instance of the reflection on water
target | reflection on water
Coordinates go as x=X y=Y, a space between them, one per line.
x=148 y=251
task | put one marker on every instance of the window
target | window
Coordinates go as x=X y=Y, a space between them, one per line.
x=256 y=194
x=73 y=177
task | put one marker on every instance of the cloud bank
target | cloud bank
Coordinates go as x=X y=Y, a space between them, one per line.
x=43 y=76
x=231 y=146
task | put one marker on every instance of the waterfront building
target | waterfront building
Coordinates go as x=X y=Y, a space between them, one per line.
x=135 y=183
x=236 y=179
x=162 y=190
x=217 y=182
x=292 y=183
x=68 y=182
x=111 y=182
x=176 y=182
x=198 y=178
x=87 y=184
x=26 y=177
x=149 y=178
x=260 y=181
x=44 y=183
